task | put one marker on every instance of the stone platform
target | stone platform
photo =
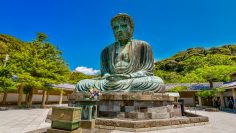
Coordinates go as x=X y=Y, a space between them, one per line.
x=140 y=111
x=139 y=105
x=152 y=124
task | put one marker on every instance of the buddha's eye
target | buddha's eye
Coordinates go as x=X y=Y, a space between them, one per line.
x=124 y=25
x=115 y=27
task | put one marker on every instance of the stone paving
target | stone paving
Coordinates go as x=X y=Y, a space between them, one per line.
x=220 y=122
x=24 y=120
x=20 y=121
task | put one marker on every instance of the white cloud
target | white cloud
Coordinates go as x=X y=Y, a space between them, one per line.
x=87 y=71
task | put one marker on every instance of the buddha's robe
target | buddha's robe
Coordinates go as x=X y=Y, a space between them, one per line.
x=135 y=60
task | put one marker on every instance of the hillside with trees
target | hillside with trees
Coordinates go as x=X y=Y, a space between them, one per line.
x=198 y=65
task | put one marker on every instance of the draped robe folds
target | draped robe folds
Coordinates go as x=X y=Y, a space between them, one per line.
x=139 y=68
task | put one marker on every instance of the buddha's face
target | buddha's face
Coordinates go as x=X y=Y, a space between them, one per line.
x=122 y=30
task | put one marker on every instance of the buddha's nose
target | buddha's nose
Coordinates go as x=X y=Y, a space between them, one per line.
x=119 y=28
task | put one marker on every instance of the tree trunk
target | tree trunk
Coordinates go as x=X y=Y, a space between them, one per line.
x=30 y=98
x=4 y=98
x=44 y=98
x=47 y=97
x=222 y=103
x=211 y=84
x=20 y=96
x=27 y=100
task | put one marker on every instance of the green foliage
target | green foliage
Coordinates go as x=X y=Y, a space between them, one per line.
x=219 y=90
x=215 y=73
x=198 y=65
x=168 y=77
x=205 y=93
x=210 y=93
x=75 y=77
x=209 y=74
x=6 y=82
x=178 y=89
x=36 y=64
x=195 y=62
x=192 y=78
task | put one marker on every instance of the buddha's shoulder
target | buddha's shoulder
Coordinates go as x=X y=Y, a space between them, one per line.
x=108 y=47
x=140 y=42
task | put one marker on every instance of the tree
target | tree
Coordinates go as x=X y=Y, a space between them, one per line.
x=38 y=63
x=205 y=93
x=6 y=82
x=75 y=77
x=46 y=65
x=210 y=93
x=219 y=73
x=195 y=62
x=168 y=77
x=185 y=62
x=178 y=89
x=192 y=78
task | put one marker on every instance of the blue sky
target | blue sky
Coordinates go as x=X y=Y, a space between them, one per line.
x=81 y=28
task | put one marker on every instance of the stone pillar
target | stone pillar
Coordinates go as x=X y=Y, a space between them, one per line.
x=194 y=101
x=234 y=96
x=20 y=96
x=90 y=112
x=61 y=97
x=44 y=98
x=200 y=101
x=222 y=103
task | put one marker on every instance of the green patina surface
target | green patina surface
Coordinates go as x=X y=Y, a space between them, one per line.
x=126 y=65
x=66 y=118
x=65 y=125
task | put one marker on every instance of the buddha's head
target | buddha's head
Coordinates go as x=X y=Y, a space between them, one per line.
x=123 y=27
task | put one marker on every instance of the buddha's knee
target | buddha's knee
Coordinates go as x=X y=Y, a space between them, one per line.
x=84 y=85
x=148 y=79
x=150 y=83
x=156 y=79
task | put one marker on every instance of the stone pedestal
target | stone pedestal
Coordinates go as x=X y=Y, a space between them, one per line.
x=66 y=118
x=139 y=105
x=132 y=105
x=87 y=124
x=89 y=112
x=89 y=108
x=136 y=111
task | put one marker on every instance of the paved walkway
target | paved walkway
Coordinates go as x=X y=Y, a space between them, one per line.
x=220 y=122
x=20 y=121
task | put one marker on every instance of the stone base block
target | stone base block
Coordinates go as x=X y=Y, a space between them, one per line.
x=162 y=109
x=87 y=124
x=65 y=125
x=51 y=130
x=155 y=115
